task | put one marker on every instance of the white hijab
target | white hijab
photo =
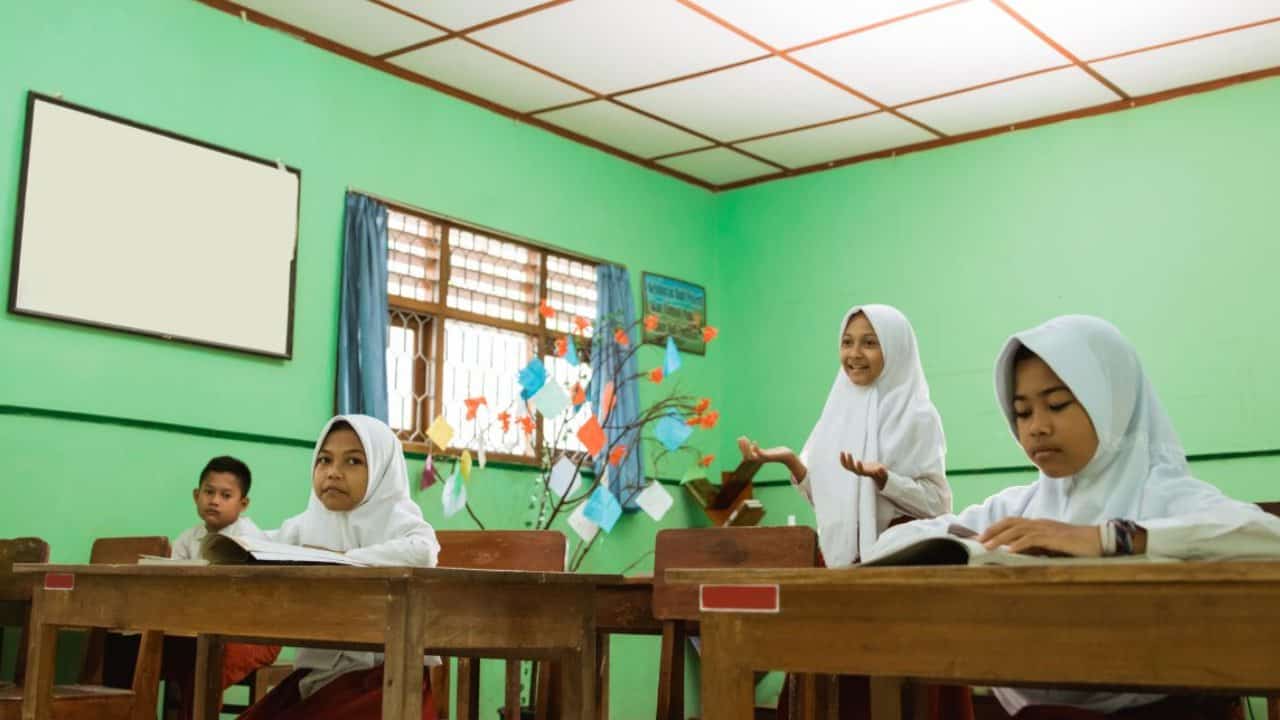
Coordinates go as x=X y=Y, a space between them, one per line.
x=1140 y=467
x=891 y=421
x=385 y=513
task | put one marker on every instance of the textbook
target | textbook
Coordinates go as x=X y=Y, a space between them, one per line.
x=958 y=547
x=219 y=549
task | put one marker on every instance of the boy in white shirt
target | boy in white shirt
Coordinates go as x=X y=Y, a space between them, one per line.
x=221 y=495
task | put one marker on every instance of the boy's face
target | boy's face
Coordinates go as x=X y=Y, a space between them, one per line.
x=341 y=475
x=1053 y=427
x=860 y=352
x=219 y=500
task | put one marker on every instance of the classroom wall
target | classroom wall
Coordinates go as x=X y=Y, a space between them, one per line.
x=1161 y=219
x=190 y=69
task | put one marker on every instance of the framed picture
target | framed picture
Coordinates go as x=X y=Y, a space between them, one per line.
x=681 y=309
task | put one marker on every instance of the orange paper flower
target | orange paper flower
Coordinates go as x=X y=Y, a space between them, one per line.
x=655 y=375
x=695 y=420
x=546 y=310
x=707 y=460
x=650 y=322
x=504 y=417
x=581 y=323
x=709 y=333
x=710 y=419
x=621 y=338
x=473 y=404
x=702 y=405
x=616 y=455
x=562 y=347
x=526 y=423
x=579 y=395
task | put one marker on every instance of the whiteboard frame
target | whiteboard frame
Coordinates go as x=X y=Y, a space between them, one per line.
x=32 y=98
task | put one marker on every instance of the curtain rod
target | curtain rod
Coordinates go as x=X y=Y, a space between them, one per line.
x=486 y=228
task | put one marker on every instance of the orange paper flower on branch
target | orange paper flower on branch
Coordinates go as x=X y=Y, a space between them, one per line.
x=526 y=423
x=694 y=421
x=546 y=310
x=655 y=375
x=707 y=460
x=616 y=455
x=473 y=405
x=709 y=420
x=650 y=322
x=702 y=405
x=504 y=417
x=581 y=323
x=709 y=333
x=562 y=347
x=620 y=337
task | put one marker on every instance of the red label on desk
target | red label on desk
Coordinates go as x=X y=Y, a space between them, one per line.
x=59 y=581
x=739 y=598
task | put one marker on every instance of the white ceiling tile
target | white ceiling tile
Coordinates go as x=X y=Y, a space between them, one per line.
x=839 y=140
x=1012 y=102
x=611 y=45
x=749 y=100
x=362 y=26
x=718 y=166
x=1196 y=61
x=480 y=72
x=623 y=129
x=791 y=23
x=957 y=47
x=459 y=14
x=1092 y=29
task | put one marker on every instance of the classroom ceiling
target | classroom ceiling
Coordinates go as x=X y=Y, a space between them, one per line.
x=725 y=93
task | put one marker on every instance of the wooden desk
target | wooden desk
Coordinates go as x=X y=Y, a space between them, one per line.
x=622 y=608
x=407 y=611
x=1175 y=626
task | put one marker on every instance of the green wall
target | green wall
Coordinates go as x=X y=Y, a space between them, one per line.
x=1159 y=218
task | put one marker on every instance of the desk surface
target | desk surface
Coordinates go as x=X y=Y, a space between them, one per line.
x=323 y=572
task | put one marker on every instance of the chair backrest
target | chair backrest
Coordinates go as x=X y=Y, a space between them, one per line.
x=18 y=550
x=537 y=550
x=125 y=550
x=723 y=547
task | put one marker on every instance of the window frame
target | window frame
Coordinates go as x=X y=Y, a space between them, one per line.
x=440 y=312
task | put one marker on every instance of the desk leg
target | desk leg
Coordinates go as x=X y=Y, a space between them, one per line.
x=402 y=663
x=886 y=698
x=602 y=676
x=42 y=650
x=208 y=692
x=728 y=687
x=578 y=681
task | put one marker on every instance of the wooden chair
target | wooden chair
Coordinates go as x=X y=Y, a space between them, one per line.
x=114 y=551
x=1273 y=701
x=677 y=607
x=532 y=550
x=71 y=702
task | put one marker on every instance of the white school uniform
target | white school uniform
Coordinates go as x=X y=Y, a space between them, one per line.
x=892 y=422
x=386 y=528
x=1138 y=473
x=187 y=546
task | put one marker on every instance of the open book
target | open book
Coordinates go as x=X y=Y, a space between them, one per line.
x=959 y=546
x=221 y=549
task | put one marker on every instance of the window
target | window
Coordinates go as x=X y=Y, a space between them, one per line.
x=464 y=319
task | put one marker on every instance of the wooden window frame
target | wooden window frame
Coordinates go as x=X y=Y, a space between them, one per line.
x=440 y=311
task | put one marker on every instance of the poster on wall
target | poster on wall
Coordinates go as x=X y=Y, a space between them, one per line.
x=681 y=309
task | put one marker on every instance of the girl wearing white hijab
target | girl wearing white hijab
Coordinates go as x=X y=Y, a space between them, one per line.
x=877 y=451
x=1113 y=480
x=360 y=506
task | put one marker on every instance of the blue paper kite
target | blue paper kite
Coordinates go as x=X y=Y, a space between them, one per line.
x=572 y=354
x=602 y=508
x=532 y=377
x=672 y=431
x=671 y=362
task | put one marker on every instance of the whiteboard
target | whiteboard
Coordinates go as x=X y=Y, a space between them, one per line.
x=132 y=228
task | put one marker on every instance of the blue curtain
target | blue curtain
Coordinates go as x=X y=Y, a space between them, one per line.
x=363 y=319
x=615 y=307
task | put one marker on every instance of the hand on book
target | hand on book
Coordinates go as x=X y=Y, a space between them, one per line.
x=1043 y=537
x=865 y=468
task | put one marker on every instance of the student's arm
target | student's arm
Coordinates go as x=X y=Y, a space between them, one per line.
x=978 y=518
x=920 y=497
x=784 y=456
x=179 y=549
x=418 y=548
x=1204 y=524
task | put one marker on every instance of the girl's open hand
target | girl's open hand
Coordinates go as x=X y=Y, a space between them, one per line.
x=865 y=468
x=752 y=451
